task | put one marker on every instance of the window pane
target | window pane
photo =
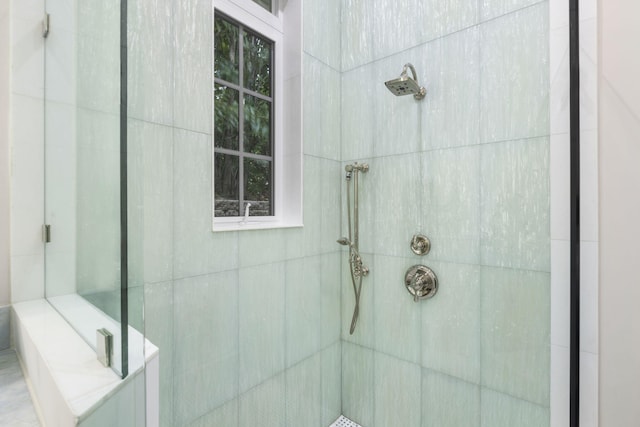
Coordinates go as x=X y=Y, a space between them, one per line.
x=226 y=117
x=257 y=183
x=226 y=185
x=226 y=56
x=257 y=63
x=257 y=126
x=264 y=3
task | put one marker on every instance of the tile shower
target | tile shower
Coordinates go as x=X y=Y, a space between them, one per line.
x=253 y=326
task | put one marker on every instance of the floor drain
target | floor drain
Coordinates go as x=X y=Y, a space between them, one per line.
x=344 y=422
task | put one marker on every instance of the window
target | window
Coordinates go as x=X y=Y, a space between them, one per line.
x=257 y=153
x=243 y=135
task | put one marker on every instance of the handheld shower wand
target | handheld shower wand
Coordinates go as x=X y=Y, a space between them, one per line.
x=356 y=266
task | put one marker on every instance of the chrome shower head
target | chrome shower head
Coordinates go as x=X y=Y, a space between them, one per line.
x=405 y=85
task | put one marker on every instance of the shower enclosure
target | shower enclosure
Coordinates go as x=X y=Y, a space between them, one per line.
x=86 y=274
x=254 y=326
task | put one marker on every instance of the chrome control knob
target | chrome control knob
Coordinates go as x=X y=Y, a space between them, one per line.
x=421 y=282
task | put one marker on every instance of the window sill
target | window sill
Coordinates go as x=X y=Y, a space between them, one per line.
x=253 y=225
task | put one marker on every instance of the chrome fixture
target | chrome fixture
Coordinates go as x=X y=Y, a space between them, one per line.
x=356 y=266
x=405 y=85
x=420 y=244
x=421 y=282
x=104 y=346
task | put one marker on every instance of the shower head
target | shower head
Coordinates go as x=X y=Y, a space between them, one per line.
x=405 y=85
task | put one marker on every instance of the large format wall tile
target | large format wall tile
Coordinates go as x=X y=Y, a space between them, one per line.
x=331 y=366
x=442 y=17
x=397 y=317
x=151 y=71
x=501 y=410
x=264 y=405
x=358 y=383
x=262 y=324
x=303 y=308
x=206 y=365
x=225 y=415
x=304 y=393
x=397 y=389
x=357 y=28
x=514 y=204
x=514 y=75
x=357 y=113
x=516 y=332
x=451 y=322
x=321 y=109
x=447 y=401
x=392 y=189
x=450 y=195
x=449 y=68
x=365 y=325
x=322 y=31
x=158 y=312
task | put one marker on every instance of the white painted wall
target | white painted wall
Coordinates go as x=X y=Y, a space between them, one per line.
x=619 y=120
x=4 y=153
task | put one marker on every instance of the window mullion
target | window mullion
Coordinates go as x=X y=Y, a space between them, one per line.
x=241 y=120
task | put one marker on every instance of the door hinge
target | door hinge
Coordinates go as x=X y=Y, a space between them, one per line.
x=45 y=25
x=46 y=233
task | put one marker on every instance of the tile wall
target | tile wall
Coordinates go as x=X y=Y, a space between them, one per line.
x=247 y=322
x=469 y=167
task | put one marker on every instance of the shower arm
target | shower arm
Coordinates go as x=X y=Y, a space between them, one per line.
x=413 y=71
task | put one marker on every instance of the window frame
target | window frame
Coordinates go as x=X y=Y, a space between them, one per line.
x=286 y=146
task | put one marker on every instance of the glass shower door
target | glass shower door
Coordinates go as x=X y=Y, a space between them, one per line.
x=83 y=265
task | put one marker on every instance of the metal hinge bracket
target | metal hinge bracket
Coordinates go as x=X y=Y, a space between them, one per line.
x=45 y=25
x=46 y=233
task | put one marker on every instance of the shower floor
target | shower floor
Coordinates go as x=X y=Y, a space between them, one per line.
x=344 y=422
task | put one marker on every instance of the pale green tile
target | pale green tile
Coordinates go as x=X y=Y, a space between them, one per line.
x=192 y=65
x=393 y=185
x=330 y=292
x=358 y=384
x=264 y=405
x=98 y=60
x=451 y=322
x=445 y=17
x=257 y=247
x=331 y=368
x=501 y=410
x=322 y=207
x=158 y=328
x=449 y=402
x=321 y=109
x=151 y=31
x=312 y=205
x=357 y=33
x=304 y=393
x=397 y=316
x=515 y=333
x=450 y=113
x=262 y=323
x=206 y=365
x=515 y=45
x=303 y=308
x=358 y=114
x=332 y=182
x=225 y=415
x=493 y=8
x=397 y=390
x=515 y=204
x=397 y=26
x=364 y=330
x=451 y=194
x=322 y=30
x=150 y=195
